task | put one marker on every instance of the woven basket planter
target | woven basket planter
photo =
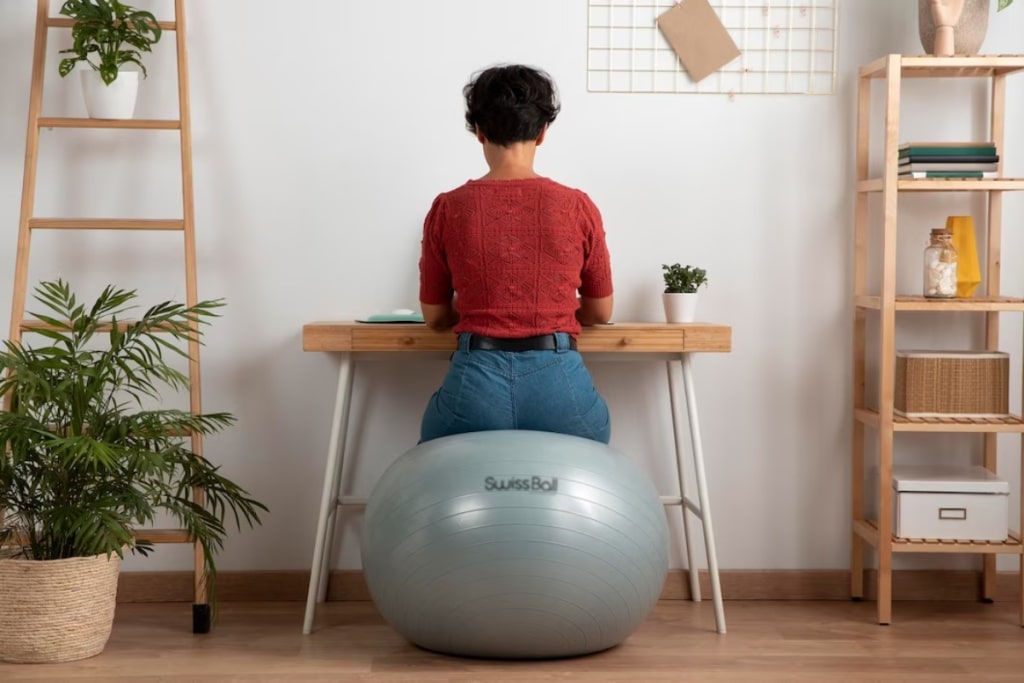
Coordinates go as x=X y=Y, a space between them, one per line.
x=56 y=610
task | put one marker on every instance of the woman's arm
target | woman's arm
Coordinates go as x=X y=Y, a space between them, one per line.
x=594 y=311
x=439 y=316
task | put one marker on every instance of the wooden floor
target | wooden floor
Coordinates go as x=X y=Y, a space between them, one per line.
x=767 y=641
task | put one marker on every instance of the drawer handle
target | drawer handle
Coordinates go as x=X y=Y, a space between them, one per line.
x=952 y=513
x=625 y=341
x=408 y=341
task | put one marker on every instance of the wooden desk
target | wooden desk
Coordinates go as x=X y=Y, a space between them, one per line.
x=620 y=341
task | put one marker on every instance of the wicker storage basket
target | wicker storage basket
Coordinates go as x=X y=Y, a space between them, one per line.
x=56 y=610
x=952 y=384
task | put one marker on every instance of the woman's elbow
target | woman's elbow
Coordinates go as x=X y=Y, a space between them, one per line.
x=595 y=311
x=438 y=317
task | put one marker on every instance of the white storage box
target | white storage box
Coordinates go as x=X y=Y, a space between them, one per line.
x=949 y=503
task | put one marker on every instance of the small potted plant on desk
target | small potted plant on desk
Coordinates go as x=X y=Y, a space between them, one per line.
x=680 y=297
x=86 y=464
x=109 y=35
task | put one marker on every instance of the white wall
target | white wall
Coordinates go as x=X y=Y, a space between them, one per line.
x=322 y=136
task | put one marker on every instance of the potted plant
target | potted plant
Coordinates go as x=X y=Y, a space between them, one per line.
x=680 y=297
x=87 y=463
x=108 y=35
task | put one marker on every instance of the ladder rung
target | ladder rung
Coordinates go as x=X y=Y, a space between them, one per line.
x=65 y=22
x=147 y=124
x=105 y=224
x=151 y=535
x=162 y=535
x=32 y=325
x=167 y=432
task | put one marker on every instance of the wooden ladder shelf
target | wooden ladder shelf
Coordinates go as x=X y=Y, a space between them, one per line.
x=28 y=223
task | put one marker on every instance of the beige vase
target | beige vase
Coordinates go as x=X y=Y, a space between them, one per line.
x=56 y=610
x=969 y=32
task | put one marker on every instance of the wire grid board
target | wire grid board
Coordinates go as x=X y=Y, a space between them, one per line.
x=786 y=47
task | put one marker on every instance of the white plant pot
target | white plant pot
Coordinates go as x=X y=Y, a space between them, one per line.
x=680 y=308
x=114 y=101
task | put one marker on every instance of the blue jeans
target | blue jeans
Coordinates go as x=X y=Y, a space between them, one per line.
x=547 y=391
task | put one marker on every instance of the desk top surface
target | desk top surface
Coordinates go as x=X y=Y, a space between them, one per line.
x=616 y=337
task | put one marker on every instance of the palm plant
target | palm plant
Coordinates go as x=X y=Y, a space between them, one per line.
x=111 y=32
x=87 y=463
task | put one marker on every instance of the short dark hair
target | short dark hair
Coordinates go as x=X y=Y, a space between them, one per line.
x=510 y=103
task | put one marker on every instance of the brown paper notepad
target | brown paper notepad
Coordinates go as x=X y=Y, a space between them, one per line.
x=698 y=37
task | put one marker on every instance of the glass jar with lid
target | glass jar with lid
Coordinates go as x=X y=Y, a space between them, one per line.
x=940 y=265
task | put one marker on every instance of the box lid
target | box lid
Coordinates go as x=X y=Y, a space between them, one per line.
x=947 y=479
x=915 y=353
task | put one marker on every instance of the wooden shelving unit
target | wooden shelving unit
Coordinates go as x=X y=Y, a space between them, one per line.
x=881 y=422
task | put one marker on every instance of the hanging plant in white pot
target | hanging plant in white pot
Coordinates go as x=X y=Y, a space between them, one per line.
x=109 y=36
x=680 y=297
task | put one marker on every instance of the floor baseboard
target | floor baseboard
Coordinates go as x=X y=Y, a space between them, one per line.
x=750 y=584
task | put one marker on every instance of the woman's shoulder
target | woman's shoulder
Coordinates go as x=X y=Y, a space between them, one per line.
x=566 y=189
x=573 y=196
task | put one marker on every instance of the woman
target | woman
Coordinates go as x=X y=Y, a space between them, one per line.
x=503 y=258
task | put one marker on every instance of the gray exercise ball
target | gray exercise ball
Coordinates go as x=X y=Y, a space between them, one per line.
x=514 y=545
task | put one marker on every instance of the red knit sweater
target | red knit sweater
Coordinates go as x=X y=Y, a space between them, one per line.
x=516 y=252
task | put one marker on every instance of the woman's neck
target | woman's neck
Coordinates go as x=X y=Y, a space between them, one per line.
x=510 y=163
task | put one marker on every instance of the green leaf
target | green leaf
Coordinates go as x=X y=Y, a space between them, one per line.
x=67 y=65
x=108 y=72
x=1003 y=4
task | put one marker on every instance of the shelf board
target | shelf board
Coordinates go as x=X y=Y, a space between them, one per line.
x=146 y=124
x=867 y=529
x=106 y=224
x=1010 y=423
x=945 y=185
x=65 y=22
x=163 y=535
x=984 y=304
x=930 y=66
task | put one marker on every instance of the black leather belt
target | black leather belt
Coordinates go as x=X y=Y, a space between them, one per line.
x=544 y=342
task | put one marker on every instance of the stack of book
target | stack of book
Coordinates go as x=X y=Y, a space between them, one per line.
x=948 y=160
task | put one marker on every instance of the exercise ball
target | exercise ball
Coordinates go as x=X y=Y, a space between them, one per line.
x=514 y=544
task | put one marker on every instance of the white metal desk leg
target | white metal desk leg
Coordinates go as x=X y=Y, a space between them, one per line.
x=345 y=374
x=677 y=434
x=319 y=569
x=702 y=491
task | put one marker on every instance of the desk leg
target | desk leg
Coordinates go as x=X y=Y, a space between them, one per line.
x=677 y=433
x=330 y=498
x=702 y=491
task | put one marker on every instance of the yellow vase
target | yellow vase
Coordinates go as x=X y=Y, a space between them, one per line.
x=968 y=270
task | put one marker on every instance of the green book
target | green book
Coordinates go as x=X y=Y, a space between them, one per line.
x=950 y=149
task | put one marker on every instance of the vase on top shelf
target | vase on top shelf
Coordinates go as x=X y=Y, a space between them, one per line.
x=968 y=30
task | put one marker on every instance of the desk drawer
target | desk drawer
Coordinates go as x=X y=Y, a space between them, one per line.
x=401 y=338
